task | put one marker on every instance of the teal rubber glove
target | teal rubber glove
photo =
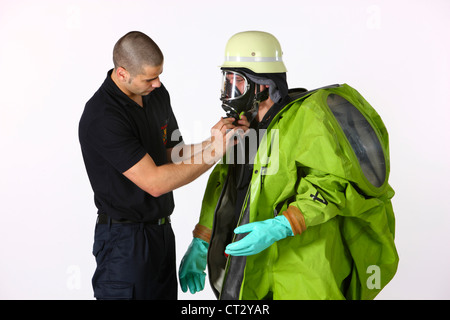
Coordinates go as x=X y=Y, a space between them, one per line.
x=192 y=268
x=262 y=235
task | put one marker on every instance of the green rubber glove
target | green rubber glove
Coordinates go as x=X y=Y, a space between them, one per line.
x=262 y=235
x=192 y=268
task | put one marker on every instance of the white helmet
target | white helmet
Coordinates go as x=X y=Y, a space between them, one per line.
x=255 y=50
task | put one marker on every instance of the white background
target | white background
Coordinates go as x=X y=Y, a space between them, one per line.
x=55 y=54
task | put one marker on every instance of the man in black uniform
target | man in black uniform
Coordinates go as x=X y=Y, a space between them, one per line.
x=125 y=135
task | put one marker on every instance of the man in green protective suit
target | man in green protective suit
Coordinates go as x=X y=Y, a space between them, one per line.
x=302 y=208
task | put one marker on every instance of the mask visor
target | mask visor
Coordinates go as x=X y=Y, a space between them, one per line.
x=234 y=85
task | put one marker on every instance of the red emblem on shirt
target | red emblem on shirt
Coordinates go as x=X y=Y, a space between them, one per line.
x=164 y=134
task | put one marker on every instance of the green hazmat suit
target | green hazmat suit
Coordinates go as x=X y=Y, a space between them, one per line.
x=327 y=154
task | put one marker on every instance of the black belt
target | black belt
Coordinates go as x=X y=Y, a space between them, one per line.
x=104 y=219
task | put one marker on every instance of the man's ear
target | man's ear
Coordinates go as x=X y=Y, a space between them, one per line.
x=122 y=74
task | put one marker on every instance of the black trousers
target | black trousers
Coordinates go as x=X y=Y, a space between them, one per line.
x=134 y=261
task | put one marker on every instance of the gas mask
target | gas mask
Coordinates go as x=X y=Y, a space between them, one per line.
x=240 y=95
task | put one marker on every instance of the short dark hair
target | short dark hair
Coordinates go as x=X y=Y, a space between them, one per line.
x=134 y=51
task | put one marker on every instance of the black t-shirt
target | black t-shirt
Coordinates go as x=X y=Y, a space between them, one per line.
x=115 y=133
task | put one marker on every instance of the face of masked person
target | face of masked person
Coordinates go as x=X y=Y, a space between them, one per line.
x=235 y=93
x=239 y=94
x=234 y=87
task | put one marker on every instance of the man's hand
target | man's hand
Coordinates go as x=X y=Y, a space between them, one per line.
x=223 y=135
x=243 y=123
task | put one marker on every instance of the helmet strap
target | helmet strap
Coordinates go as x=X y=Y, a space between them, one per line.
x=261 y=96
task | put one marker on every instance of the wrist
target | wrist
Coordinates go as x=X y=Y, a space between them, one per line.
x=202 y=233
x=295 y=219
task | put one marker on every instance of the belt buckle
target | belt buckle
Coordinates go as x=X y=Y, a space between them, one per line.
x=163 y=221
